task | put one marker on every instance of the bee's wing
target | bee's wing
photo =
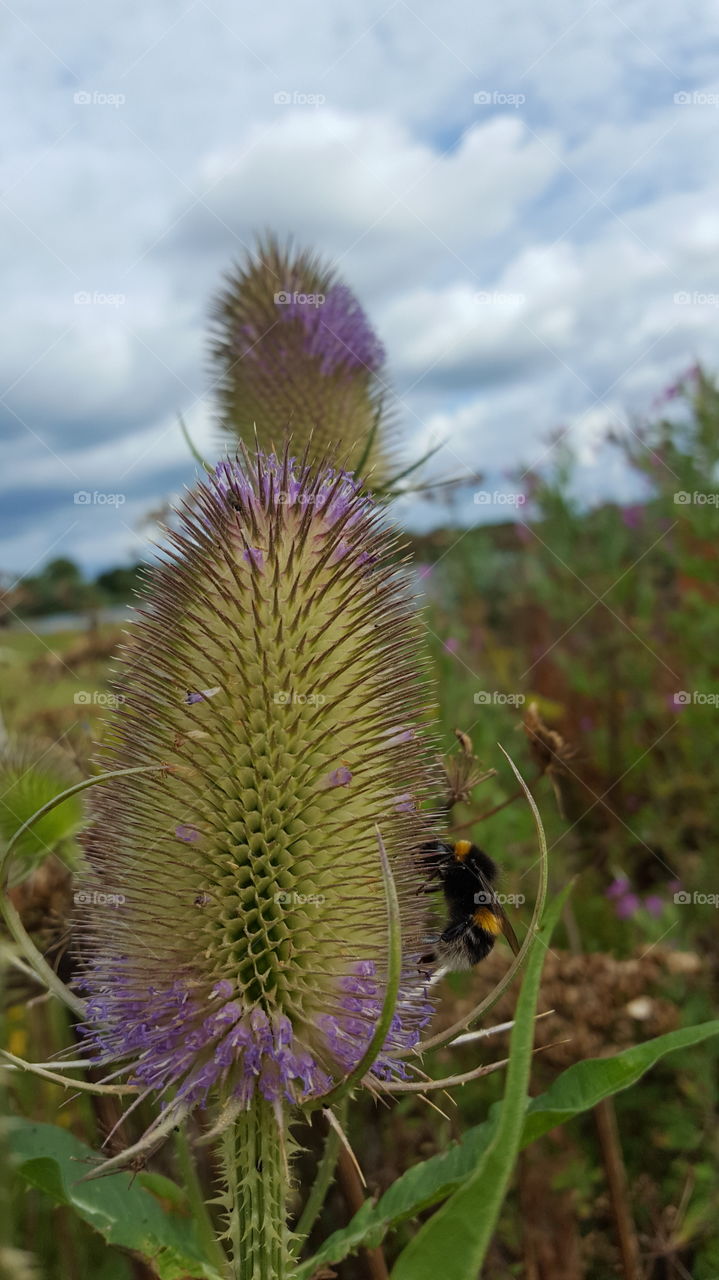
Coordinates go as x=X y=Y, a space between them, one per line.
x=493 y=900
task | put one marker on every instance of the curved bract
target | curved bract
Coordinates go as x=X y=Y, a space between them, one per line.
x=31 y=773
x=294 y=354
x=233 y=916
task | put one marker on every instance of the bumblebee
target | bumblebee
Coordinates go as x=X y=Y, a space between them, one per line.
x=466 y=876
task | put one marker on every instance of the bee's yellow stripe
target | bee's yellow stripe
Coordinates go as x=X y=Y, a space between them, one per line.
x=487 y=920
x=461 y=849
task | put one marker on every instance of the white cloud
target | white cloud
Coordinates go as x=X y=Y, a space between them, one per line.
x=582 y=211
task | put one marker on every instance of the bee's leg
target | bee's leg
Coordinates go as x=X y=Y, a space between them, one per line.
x=430 y=887
x=428 y=959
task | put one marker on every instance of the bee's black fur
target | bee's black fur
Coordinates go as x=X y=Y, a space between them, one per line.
x=466 y=876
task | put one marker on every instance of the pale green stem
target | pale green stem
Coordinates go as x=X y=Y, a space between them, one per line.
x=323 y=1177
x=254 y=1152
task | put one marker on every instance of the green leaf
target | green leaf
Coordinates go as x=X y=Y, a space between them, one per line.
x=30 y=775
x=125 y=1213
x=585 y=1084
x=578 y=1089
x=454 y=1241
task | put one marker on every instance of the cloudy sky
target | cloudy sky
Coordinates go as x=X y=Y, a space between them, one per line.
x=525 y=198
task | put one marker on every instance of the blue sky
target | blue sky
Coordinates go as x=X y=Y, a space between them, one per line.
x=524 y=197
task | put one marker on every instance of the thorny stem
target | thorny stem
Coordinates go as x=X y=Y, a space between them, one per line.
x=257 y=1180
x=323 y=1178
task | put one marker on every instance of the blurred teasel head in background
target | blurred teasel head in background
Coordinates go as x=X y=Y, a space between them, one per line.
x=293 y=354
x=232 y=921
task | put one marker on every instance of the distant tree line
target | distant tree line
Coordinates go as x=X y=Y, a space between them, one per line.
x=62 y=587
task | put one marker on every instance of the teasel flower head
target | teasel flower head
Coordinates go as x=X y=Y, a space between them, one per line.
x=232 y=920
x=294 y=353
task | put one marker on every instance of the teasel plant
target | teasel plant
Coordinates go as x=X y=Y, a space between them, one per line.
x=249 y=917
x=293 y=353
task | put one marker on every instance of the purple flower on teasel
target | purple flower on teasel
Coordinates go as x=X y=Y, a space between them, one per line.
x=251 y=962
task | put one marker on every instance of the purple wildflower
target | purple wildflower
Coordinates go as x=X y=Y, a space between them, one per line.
x=295 y=353
x=627 y=905
x=340 y=777
x=336 y=331
x=273 y=987
x=633 y=515
x=654 y=904
x=189 y=834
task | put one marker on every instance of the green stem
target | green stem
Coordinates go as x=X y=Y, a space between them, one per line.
x=254 y=1153
x=196 y=1200
x=323 y=1177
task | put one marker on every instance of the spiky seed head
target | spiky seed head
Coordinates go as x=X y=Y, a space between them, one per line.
x=234 y=924
x=294 y=353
